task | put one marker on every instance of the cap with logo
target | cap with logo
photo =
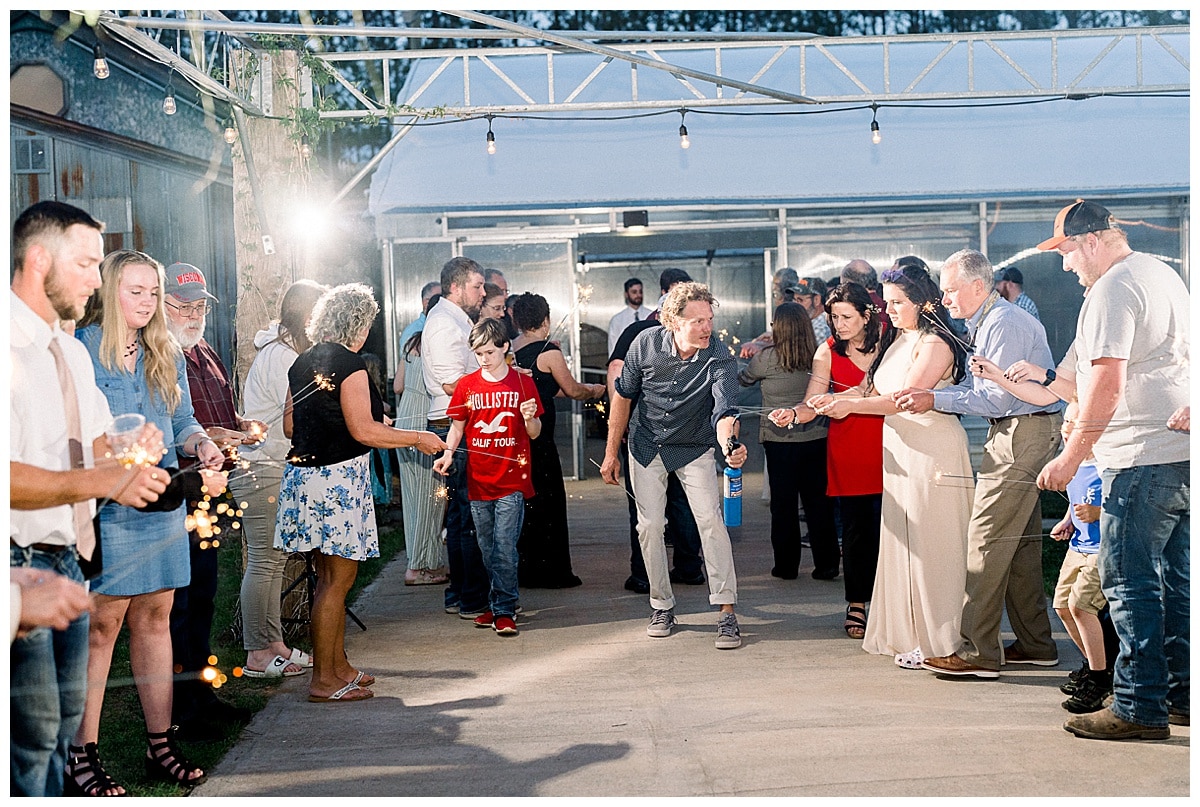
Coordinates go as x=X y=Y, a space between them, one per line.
x=186 y=283
x=1077 y=219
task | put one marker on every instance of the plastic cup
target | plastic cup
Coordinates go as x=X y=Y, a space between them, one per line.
x=123 y=434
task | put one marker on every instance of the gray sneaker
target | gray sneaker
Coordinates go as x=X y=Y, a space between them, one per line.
x=661 y=623
x=728 y=635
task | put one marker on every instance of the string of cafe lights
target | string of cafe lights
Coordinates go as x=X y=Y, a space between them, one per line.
x=685 y=140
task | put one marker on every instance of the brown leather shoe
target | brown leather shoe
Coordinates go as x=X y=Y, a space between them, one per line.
x=1104 y=725
x=954 y=665
x=1015 y=655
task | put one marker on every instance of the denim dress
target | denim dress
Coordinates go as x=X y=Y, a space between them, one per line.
x=143 y=552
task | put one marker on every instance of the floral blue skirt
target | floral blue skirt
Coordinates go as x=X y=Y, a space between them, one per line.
x=328 y=508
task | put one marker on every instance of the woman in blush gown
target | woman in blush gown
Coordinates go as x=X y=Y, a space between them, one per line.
x=927 y=479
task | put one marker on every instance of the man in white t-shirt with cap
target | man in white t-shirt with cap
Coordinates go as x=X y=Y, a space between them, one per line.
x=1132 y=344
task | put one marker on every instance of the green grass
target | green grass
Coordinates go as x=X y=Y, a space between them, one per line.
x=122 y=730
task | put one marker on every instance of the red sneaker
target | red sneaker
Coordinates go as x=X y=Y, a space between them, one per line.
x=485 y=620
x=506 y=626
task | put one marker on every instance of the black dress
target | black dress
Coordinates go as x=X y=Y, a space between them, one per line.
x=543 y=549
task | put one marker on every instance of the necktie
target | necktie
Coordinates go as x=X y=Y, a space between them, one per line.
x=637 y=315
x=85 y=534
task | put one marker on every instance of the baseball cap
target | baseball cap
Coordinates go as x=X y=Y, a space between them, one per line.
x=185 y=282
x=1077 y=219
x=1012 y=274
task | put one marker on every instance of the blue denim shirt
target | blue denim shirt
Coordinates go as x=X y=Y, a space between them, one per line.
x=129 y=393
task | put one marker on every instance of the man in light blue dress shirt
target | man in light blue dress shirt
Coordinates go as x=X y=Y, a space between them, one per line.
x=1004 y=539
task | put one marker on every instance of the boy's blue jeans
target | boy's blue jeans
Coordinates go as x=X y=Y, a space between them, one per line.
x=497 y=527
x=1145 y=570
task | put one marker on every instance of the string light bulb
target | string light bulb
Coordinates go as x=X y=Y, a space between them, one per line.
x=491 y=137
x=875 y=135
x=230 y=134
x=168 y=105
x=99 y=63
x=684 y=142
x=305 y=147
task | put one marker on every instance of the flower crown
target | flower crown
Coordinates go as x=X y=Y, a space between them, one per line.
x=872 y=308
x=891 y=275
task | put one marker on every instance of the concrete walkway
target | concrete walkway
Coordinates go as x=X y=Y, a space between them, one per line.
x=583 y=703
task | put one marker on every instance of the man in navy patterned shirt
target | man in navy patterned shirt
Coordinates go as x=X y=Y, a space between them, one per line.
x=678 y=395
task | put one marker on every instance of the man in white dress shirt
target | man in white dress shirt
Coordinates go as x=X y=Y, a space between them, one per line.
x=57 y=251
x=633 y=311
x=446 y=358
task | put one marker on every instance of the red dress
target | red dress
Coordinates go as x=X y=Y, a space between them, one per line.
x=854 y=459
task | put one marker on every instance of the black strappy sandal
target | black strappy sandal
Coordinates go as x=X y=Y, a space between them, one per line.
x=166 y=762
x=856 y=622
x=83 y=760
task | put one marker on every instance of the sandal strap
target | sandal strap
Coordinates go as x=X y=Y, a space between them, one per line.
x=167 y=755
x=85 y=759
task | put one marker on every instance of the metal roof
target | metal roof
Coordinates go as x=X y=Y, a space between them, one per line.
x=1019 y=143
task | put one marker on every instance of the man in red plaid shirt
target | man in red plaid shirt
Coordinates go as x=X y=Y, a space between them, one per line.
x=195 y=707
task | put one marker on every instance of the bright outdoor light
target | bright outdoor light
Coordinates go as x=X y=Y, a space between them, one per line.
x=100 y=65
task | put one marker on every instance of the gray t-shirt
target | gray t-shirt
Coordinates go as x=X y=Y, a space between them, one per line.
x=1138 y=311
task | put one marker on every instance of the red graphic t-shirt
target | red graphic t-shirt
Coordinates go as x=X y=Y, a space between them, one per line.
x=495 y=438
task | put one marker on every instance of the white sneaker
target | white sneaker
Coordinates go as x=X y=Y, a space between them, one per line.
x=910 y=660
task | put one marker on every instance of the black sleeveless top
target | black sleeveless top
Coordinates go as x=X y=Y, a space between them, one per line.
x=547 y=387
x=319 y=432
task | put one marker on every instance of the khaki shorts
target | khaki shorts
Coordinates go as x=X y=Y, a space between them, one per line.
x=1079 y=584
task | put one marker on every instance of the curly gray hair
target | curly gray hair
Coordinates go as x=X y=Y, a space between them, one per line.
x=342 y=314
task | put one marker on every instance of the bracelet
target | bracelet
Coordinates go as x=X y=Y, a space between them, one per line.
x=196 y=450
x=795 y=413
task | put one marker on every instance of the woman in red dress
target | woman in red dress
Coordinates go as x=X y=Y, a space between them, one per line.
x=854 y=457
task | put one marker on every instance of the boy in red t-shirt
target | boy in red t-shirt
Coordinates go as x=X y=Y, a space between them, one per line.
x=487 y=405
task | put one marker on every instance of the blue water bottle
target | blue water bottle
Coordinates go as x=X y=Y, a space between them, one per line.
x=733 y=490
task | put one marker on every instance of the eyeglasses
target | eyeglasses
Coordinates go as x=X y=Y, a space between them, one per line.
x=189 y=311
x=494 y=306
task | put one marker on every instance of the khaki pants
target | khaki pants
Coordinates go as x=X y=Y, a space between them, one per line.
x=701 y=484
x=1004 y=542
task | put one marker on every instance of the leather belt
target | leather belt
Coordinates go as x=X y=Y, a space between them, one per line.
x=998 y=421
x=49 y=548
x=443 y=423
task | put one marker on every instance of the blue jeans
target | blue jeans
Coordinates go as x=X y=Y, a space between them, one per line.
x=1145 y=572
x=498 y=526
x=468 y=577
x=47 y=689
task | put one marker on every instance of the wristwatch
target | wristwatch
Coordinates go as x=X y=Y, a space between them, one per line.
x=1050 y=376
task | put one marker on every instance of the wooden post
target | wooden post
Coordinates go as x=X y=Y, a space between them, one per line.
x=265 y=186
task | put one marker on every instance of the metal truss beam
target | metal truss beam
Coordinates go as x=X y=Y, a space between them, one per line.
x=801 y=68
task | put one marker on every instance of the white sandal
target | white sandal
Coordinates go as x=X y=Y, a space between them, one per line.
x=300 y=658
x=910 y=660
x=278 y=668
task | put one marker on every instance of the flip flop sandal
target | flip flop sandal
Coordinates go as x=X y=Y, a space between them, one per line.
x=363 y=679
x=299 y=657
x=343 y=694
x=278 y=668
x=856 y=622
